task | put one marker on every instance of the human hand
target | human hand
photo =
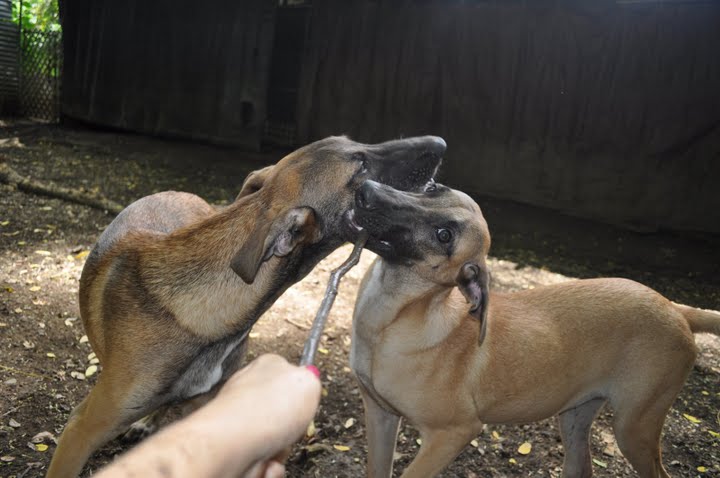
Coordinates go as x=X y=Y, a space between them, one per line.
x=245 y=431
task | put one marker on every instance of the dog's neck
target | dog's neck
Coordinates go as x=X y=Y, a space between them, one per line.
x=396 y=297
x=200 y=289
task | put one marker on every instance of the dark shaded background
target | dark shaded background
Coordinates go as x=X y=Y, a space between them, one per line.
x=601 y=109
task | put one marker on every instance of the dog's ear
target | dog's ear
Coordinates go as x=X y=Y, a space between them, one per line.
x=277 y=238
x=254 y=181
x=473 y=280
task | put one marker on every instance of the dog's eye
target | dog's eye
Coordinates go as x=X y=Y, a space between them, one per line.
x=444 y=235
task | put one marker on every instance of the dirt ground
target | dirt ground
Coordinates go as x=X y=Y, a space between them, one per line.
x=44 y=357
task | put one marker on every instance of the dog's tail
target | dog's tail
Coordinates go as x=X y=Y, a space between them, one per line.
x=701 y=320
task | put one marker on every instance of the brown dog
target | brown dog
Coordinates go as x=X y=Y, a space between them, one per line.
x=172 y=287
x=564 y=350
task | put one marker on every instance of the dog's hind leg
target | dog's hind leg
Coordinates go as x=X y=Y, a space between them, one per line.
x=575 y=433
x=638 y=431
x=439 y=448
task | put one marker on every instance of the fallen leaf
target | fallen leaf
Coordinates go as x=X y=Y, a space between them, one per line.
x=254 y=335
x=43 y=253
x=35 y=288
x=18 y=310
x=316 y=447
x=323 y=351
x=83 y=339
x=50 y=354
x=691 y=418
x=701 y=469
x=341 y=447
x=77 y=375
x=9 y=290
x=46 y=208
x=91 y=370
x=41 y=447
x=4 y=223
x=714 y=434
x=475 y=443
x=13 y=423
x=7 y=458
x=600 y=463
x=418 y=441
x=69 y=321
x=95 y=361
x=496 y=435
x=349 y=422
x=324 y=392
x=91 y=355
x=525 y=448
x=310 y=432
x=512 y=461
x=28 y=345
x=21 y=243
x=42 y=436
x=705 y=392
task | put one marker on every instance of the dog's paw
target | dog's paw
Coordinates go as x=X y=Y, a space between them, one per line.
x=139 y=431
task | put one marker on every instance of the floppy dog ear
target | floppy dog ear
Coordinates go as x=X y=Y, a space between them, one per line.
x=276 y=238
x=473 y=280
x=254 y=181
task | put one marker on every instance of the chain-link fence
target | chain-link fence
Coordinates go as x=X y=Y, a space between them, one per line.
x=40 y=69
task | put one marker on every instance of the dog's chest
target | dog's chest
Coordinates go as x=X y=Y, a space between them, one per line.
x=214 y=363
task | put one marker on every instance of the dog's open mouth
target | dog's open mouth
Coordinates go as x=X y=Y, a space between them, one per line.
x=374 y=243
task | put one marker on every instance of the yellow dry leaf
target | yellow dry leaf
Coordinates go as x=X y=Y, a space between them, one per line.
x=418 y=441
x=701 y=469
x=18 y=310
x=705 y=392
x=21 y=243
x=475 y=443
x=43 y=253
x=599 y=463
x=349 y=422
x=525 y=448
x=324 y=392
x=341 y=447
x=91 y=370
x=495 y=435
x=323 y=351
x=254 y=335
x=512 y=461
x=310 y=432
x=83 y=339
x=691 y=418
x=91 y=355
x=714 y=434
x=9 y=289
x=41 y=447
x=4 y=223
x=82 y=254
x=35 y=288
x=50 y=354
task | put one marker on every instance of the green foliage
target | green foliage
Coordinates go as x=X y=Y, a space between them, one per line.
x=37 y=14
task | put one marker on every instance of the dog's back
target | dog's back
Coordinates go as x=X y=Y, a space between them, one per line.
x=155 y=215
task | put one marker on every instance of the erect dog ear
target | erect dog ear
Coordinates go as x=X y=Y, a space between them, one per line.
x=276 y=238
x=254 y=181
x=473 y=280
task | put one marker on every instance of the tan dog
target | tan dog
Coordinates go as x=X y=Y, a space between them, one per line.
x=564 y=350
x=172 y=287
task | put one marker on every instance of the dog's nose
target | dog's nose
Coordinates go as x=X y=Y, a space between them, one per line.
x=365 y=196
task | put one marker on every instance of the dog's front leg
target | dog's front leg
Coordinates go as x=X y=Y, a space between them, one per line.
x=439 y=448
x=382 y=429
